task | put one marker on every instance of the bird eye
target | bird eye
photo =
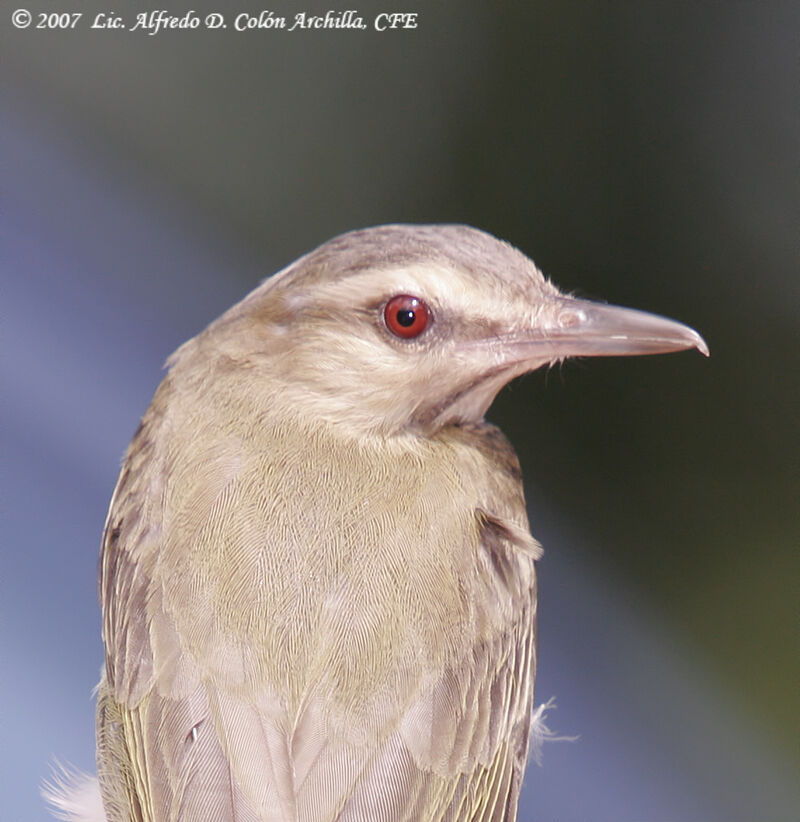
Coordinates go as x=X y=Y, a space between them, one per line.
x=406 y=316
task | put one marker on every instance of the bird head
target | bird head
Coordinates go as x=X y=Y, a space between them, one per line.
x=405 y=327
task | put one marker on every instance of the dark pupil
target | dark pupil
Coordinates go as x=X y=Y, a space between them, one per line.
x=405 y=316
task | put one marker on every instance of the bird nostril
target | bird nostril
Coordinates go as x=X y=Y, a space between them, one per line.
x=571 y=317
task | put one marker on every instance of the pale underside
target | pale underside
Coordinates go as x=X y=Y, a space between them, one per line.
x=315 y=657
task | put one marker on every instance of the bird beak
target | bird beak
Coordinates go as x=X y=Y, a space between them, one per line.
x=571 y=327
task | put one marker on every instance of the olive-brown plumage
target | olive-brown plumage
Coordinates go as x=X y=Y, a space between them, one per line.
x=317 y=579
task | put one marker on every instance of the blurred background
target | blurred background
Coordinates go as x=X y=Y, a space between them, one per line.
x=641 y=152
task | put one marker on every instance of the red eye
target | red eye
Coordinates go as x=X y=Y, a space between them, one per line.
x=406 y=316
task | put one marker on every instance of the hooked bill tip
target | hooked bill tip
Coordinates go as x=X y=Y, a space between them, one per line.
x=701 y=345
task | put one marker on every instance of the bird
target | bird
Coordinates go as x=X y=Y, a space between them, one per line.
x=317 y=574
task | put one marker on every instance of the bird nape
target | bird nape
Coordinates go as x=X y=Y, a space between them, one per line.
x=317 y=576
